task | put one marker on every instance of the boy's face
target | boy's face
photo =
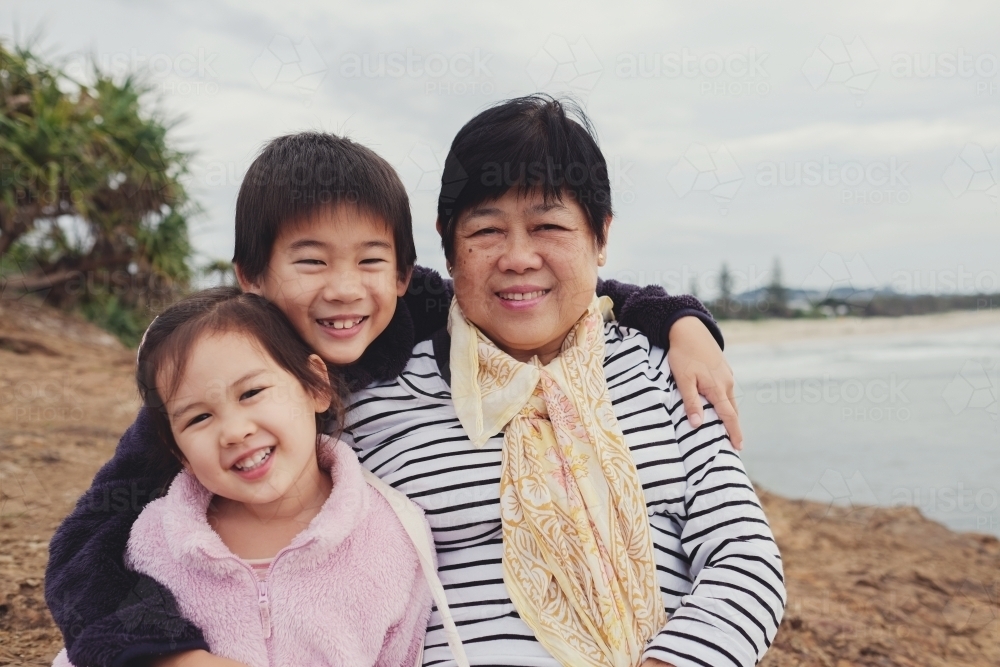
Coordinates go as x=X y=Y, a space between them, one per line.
x=334 y=276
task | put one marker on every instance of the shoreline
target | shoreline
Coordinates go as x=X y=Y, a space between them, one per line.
x=745 y=332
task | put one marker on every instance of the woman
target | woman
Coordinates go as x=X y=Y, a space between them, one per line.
x=573 y=506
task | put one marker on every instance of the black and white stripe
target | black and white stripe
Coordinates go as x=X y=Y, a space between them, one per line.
x=719 y=569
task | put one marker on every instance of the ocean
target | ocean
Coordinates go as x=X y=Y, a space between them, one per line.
x=897 y=419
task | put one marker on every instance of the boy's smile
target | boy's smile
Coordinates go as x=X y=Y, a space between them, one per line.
x=334 y=275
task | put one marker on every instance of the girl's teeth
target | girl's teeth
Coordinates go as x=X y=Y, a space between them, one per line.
x=521 y=296
x=251 y=462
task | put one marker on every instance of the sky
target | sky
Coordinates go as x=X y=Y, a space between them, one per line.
x=854 y=142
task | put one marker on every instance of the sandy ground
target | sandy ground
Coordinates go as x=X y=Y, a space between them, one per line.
x=866 y=586
x=738 y=332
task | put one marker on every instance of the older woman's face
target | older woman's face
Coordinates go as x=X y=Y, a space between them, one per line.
x=525 y=271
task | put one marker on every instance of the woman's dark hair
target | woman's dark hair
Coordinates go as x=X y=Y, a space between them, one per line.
x=300 y=174
x=533 y=143
x=170 y=337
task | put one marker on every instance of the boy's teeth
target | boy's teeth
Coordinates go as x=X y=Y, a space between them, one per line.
x=521 y=296
x=343 y=324
x=254 y=460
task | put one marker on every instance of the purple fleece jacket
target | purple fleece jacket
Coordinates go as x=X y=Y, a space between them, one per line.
x=111 y=616
x=348 y=590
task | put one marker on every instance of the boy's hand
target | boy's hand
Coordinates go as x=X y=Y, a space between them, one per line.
x=197 y=658
x=699 y=367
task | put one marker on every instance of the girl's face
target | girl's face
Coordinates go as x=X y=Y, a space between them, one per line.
x=245 y=426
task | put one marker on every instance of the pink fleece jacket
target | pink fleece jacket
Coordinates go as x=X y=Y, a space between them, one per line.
x=348 y=590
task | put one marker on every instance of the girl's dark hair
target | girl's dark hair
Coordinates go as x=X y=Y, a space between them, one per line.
x=174 y=332
x=533 y=143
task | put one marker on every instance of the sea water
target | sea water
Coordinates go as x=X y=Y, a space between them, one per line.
x=902 y=419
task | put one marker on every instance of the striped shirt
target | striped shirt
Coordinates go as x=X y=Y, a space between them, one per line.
x=718 y=567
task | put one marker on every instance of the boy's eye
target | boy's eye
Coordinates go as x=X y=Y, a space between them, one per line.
x=250 y=393
x=310 y=262
x=373 y=260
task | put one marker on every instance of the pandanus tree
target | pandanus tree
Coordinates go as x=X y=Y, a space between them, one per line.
x=93 y=209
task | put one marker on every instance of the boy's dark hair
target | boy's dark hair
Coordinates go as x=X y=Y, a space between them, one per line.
x=298 y=175
x=175 y=331
x=533 y=143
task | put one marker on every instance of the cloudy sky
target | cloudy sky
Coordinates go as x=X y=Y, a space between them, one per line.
x=855 y=141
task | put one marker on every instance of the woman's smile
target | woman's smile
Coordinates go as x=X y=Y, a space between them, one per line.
x=521 y=297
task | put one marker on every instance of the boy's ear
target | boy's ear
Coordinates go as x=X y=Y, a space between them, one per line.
x=438 y=226
x=322 y=402
x=403 y=283
x=245 y=284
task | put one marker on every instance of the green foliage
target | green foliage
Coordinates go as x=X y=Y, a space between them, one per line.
x=109 y=313
x=90 y=190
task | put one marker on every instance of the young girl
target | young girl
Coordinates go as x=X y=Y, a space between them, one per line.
x=271 y=539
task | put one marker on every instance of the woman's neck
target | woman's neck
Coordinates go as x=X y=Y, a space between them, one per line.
x=253 y=531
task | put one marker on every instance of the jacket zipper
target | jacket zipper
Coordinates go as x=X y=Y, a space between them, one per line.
x=263 y=601
x=265 y=607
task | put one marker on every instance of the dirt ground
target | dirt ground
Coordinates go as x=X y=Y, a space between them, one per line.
x=866 y=586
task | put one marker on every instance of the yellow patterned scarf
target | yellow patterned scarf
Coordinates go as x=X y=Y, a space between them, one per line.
x=577 y=547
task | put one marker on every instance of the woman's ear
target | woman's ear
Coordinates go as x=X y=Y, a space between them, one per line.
x=602 y=252
x=245 y=285
x=323 y=400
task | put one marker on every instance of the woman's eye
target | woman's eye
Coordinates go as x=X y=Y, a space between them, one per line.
x=486 y=231
x=250 y=393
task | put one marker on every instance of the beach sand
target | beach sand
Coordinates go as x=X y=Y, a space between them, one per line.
x=737 y=332
x=866 y=586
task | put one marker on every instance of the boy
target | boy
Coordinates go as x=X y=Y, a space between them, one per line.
x=323 y=230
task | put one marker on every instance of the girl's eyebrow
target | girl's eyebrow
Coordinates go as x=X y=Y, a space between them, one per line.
x=246 y=378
